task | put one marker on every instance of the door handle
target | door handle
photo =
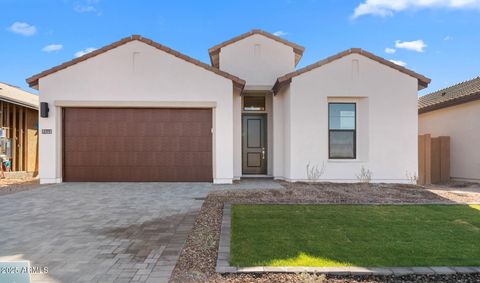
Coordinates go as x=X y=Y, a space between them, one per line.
x=263 y=153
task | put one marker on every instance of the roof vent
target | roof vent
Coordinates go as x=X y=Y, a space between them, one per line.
x=443 y=93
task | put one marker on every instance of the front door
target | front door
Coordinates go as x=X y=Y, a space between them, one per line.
x=254 y=144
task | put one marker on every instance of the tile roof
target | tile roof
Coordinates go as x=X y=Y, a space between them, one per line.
x=215 y=50
x=456 y=94
x=422 y=80
x=18 y=96
x=33 y=80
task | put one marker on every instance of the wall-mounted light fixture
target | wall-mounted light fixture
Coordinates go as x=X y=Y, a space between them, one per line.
x=44 y=109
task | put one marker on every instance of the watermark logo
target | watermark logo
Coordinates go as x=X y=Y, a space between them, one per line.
x=19 y=271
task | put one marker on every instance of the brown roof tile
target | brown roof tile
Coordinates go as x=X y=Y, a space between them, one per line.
x=422 y=80
x=456 y=94
x=33 y=80
x=214 y=51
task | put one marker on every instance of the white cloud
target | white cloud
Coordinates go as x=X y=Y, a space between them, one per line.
x=447 y=38
x=416 y=45
x=23 y=28
x=398 y=62
x=84 y=9
x=390 y=50
x=280 y=33
x=88 y=6
x=84 y=51
x=52 y=48
x=385 y=8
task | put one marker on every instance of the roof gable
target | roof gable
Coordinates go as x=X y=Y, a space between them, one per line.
x=422 y=80
x=33 y=80
x=453 y=95
x=215 y=50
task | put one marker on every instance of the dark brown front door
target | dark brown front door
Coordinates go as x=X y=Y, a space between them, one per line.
x=254 y=145
x=137 y=145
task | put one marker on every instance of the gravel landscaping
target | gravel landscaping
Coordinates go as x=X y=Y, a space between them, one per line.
x=198 y=258
x=10 y=186
x=458 y=191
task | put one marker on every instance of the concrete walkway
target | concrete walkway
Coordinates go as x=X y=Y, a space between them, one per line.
x=107 y=232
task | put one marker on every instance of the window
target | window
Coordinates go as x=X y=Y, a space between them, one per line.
x=342 y=130
x=254 y=103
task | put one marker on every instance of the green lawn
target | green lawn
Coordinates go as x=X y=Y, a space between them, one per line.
x=355 y=235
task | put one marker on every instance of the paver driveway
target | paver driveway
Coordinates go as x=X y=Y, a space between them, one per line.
x=103 y=232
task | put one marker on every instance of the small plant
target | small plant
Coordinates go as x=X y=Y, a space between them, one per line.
x=312 y=278
x=365 y=175
x=314 y=172
x=413 y=178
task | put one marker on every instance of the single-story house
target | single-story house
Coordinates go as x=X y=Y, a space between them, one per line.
x=455 y=112
x=136 y=110
x=19 y=128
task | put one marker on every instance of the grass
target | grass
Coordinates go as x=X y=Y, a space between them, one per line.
x=355 y=235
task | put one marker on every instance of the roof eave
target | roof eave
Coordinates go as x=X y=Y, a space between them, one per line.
x=20 y=103
x=423 y=84
x=422 y=80
x=215 y=50
x=449 y=103
x=34 y=80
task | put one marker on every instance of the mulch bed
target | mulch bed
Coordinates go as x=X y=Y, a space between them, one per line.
x=198 y=258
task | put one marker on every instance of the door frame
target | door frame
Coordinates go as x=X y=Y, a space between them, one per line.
x=265 y=115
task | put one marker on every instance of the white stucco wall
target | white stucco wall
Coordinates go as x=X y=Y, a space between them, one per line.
x=387 y=121
x=462 y=124
x=258 y=60
x=136 y=74
x=281 y=134
x=237 y=135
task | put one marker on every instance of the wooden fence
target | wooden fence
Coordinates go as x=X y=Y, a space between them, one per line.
x=433 y=159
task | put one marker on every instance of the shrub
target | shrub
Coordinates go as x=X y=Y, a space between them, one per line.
x=365 y=175
x=314 y=172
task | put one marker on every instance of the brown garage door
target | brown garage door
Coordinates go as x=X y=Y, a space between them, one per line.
x=135 y=145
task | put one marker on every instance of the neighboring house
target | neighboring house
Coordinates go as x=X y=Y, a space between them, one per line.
x=455 y=112
x=19 y=119
x=136 y=110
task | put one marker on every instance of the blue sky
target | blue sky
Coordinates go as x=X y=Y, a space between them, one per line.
x=437 y=38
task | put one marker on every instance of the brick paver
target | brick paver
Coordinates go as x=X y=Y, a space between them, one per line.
x=107 y=232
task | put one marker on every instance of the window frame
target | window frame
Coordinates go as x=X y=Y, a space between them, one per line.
x=254 y=110
x=354 y=132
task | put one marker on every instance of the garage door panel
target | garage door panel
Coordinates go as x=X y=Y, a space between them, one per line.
x=163 y=159
x=77 y=143
x=139 y=174
x=135 y=145
x=144 y=144
x=188 y=159
x=201 y=144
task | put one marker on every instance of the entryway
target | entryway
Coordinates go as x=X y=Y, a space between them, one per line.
x=254 y=144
